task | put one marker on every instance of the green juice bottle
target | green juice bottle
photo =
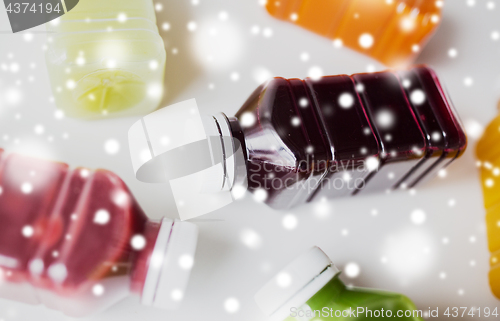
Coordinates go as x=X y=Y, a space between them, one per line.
x=309 y=289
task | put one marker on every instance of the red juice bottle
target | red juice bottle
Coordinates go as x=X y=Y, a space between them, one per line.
x=298 y=140
x=346 y=135
x=78 y=242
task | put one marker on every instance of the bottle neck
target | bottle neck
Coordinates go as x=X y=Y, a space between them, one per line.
x=326 y=297
x=237 y=133
x=330 y=292
x=143 y=259
x=233 y=149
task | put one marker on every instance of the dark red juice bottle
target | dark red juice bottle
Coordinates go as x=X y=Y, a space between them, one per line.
x=77 y=241
x=345 y=135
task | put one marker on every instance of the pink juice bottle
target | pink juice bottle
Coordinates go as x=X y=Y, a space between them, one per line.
x=78 y=242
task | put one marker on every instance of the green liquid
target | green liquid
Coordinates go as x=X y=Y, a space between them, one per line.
x=106 y=57
x=335 y=297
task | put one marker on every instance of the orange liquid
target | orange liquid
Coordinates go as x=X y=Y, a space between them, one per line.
x=488 y=153
x=391 y=31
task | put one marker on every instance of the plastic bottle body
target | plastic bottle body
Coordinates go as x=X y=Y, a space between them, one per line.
x=489 y=160
x=75 y=241
x=335 y=301
x=106 y=58
x=346 y=135
x=392 y=32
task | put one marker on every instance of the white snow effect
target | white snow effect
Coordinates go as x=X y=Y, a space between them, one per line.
x=366 y=40
x=418 y=217
x=231 y=305
x=346 y=100
x=186 y=261
x=251 y=239
x=102 y=217
x=352 y=270
x=385 y=119
x=112 y=146
x=248 y=119
x=417 y=97
x=28 y=231
x=98 y=289
x=283 y=279
x=26 y=188
x=315 y=73
x=176 y=295
x=289 y=221
x=138 y=242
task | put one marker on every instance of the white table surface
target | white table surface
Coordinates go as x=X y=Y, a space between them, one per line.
x=392 y=252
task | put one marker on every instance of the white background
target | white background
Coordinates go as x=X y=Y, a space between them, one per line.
x=391 y=251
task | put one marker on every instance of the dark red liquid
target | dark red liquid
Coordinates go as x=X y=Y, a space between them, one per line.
x=287 y=151
x=49 y=217
x=402 y=142
x=311 y=139
x=350 y=145
x=445 y=137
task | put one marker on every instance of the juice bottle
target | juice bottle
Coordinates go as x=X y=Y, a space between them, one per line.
x=309 y=288
x=391 y=31
x=338 y=136
x=488 y=154
x=78 y=242
x=106 y=58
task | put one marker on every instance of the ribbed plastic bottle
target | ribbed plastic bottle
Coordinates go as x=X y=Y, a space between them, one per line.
x=309 y=288
x=488 y=155
x=106 y=58
x=78 y=242
x=336 y=136
x=391 y=31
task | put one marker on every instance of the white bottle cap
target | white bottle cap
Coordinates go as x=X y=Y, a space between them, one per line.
x=295 y=284
x=196 y=154
x=170 y=264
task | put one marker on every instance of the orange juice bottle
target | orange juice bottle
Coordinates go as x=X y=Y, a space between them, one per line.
x=391 y=31
x=488 y=154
